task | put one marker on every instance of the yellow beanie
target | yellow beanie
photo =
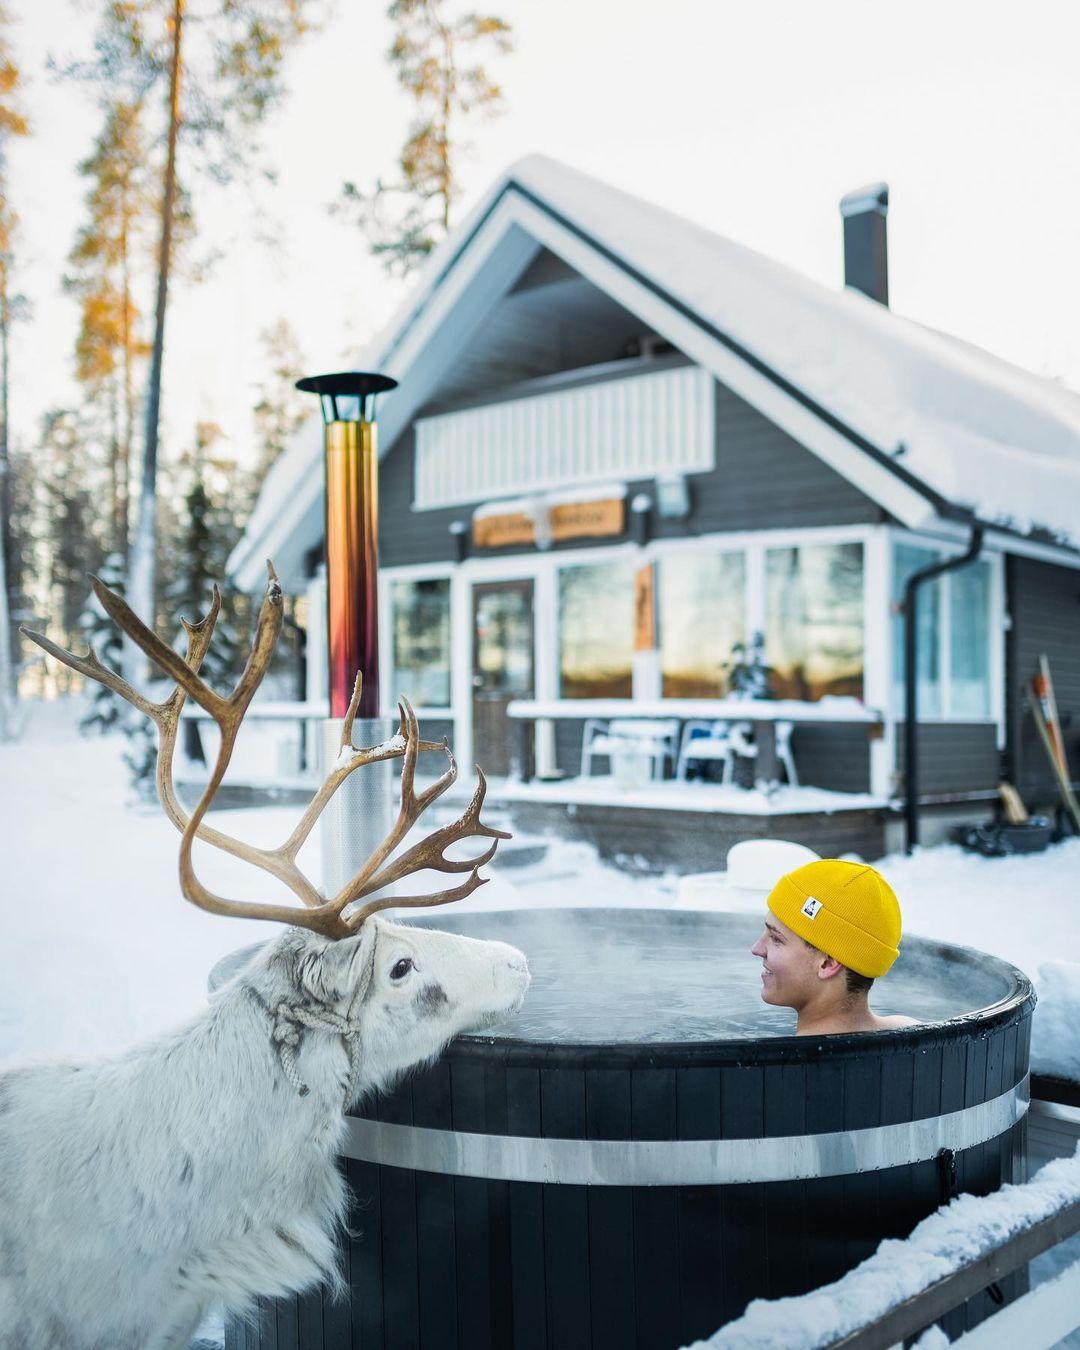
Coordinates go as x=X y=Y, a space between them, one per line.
x=845 y=909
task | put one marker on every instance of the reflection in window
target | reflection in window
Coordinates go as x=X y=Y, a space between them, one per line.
x=596 y=630
x=969 y=675
x=953 y=666
x=503 y=653
x=421 y=641
x=702 y=613
x=909 y=559
x=814 y=620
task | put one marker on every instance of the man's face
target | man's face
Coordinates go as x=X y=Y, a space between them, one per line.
x=790 y=969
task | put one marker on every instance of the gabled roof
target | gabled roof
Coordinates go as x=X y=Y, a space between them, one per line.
x=927 y=425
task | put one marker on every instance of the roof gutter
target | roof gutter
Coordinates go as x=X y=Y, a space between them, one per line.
x=911 y=684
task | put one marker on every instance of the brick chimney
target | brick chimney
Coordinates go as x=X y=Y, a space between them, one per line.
x=866 y=259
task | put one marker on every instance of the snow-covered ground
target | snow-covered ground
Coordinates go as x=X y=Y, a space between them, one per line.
x=98 y=949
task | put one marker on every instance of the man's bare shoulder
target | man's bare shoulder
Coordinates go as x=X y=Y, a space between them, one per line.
x=897 y=1020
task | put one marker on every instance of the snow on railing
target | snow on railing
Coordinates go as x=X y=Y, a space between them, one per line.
x=954 y=1253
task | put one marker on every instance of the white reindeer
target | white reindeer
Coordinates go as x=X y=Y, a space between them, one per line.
x=199 y=1167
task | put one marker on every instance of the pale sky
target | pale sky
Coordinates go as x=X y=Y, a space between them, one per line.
x=750 y=118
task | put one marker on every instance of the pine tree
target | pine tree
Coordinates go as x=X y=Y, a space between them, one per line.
x=12 y=124
x=208 y=531
x=70 y=493
x=433 y=57
x=104 y=260
x=747 y=671
x=106 y=711
x=280 y=408
x=214 y=93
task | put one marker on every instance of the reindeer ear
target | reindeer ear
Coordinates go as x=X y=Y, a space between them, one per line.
x=341 y=971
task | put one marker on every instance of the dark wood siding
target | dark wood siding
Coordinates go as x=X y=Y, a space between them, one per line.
x=1044 y=603
x=953 y=756
x=696 y=841
x=763 y=479
x=833 y=757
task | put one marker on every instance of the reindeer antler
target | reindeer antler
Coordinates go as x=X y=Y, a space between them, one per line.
x=322 y=915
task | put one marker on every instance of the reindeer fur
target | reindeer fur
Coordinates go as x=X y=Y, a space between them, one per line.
x=137 y=1190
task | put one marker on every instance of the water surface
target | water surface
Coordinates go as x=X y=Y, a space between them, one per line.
x=615 y=975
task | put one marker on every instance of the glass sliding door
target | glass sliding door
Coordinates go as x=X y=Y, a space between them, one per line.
x=502 y=667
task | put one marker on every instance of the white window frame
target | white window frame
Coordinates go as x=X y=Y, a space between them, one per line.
x=542 y=568
x=952 y=548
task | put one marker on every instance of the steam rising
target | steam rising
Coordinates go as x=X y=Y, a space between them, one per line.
x=604 y=976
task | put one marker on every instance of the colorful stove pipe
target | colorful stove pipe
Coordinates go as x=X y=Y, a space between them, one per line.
x=352 y=531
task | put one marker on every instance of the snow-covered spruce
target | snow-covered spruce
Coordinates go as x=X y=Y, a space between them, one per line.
x=198 y=1168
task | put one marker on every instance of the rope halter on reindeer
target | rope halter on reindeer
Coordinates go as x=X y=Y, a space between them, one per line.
x=335 y=917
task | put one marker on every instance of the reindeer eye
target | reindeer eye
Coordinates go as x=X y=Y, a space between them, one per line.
x=401 y=969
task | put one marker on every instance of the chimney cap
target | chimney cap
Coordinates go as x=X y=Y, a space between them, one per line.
x=873 y=197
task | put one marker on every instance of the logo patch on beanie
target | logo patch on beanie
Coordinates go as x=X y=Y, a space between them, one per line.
x=811 y=907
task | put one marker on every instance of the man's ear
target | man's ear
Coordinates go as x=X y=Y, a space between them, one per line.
x=345 y=967
x=829 y=967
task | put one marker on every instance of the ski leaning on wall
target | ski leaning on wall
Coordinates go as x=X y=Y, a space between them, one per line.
x=1040 y=692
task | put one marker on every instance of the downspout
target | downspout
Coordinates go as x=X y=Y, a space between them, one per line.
x=911 y=692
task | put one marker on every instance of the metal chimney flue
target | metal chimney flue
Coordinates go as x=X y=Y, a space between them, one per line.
x=866 y=257
x=361 y=811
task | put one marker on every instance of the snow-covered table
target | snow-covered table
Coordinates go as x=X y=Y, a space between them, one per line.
x=762 y=714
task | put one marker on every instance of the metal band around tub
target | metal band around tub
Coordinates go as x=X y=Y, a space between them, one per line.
x=681 y=1162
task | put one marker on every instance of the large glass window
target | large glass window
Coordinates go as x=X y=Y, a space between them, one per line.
x=702 y=615
x=814 y=620
x=596 y=630
x=908 y=559
x=954 y=636
x=421 y=640
x=969 y=640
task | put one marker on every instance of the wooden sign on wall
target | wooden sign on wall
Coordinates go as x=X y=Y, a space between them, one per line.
x=644 y=609
x=593 y=520
x=503 y=531
x=566 y=520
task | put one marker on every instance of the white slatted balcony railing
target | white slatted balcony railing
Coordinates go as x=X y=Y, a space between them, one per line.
x=634 y=427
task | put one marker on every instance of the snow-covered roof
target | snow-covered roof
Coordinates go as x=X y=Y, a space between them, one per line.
x=925 y=423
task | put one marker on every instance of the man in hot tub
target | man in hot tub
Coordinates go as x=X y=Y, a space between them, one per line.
x=832 y=928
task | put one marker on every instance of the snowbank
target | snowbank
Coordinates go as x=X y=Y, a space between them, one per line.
x=958 y=1233
x=1055 y=1033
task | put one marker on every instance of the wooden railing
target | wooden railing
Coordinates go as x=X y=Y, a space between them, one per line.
x=1036 y=1321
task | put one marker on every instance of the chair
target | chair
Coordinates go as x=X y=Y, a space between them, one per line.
x=783 y=751
x=741 y=747
x=706 y=740
x=654 y=737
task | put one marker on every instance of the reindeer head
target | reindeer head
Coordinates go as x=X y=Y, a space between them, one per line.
x=410 y=989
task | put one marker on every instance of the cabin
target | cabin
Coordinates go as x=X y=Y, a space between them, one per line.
x=626 y=457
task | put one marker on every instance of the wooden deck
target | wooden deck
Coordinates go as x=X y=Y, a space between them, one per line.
x=660 y=827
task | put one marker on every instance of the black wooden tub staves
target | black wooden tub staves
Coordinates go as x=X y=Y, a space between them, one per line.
x=584 y=1178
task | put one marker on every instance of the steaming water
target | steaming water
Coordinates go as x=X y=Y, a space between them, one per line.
x=603 y=976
